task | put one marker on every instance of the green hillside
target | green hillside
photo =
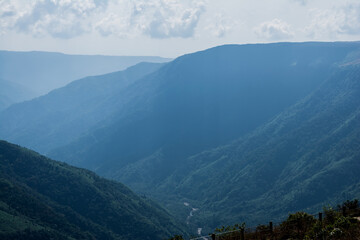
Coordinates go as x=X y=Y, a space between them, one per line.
x=241 y=132
x=306 y=157
x=197 y=102
x=44 y=199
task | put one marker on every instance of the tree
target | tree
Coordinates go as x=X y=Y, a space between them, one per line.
x=297 y=225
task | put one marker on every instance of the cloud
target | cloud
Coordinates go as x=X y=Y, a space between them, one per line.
x=274 y=30
x=112 y=24
x=7 y=14
x=10 y=11
x=58 y=18
x=334 y=22
x=155 y=18
x=122 y=18
x=221 y=25
x=301 y=2
x=174 y=20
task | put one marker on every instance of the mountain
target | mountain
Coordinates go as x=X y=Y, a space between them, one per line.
x=11 y=92
x=197 y=102
x=158 y=130
x=304 y=158
x=64 y=114
x=41 y=72
x=44 y=199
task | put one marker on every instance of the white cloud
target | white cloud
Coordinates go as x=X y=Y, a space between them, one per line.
x=174 y=20
x=57 y=18
x=221 y=25
x=334 y=22
x=112 y=24
x=302 y=2
x=122 y=18
x=274 y=30
x=155 y=26
x=155 y=18
x=8 y=16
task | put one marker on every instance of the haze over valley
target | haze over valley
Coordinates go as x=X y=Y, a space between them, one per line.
x=145 y=146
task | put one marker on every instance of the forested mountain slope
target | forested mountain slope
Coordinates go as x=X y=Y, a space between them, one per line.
x=200 y=101
x=44 y=199
x=305 y=158
x=64 y=114
x=154 y=131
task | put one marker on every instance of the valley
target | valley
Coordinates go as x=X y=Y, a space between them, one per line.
x=235 y=133
x=179 y=120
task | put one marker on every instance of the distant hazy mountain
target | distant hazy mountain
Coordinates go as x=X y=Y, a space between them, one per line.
x=44 y=199
x=303 y=159
x=11 y=92
x=147 y=131
x=41 y=72
x=197 y=102
x=64 y=114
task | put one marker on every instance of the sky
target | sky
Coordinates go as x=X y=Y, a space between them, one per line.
x=170 y=28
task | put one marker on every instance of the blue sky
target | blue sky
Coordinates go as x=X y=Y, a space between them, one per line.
x=170 y=28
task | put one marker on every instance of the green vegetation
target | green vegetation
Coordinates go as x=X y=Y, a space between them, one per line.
x=339 y=224
x=194 y=103
x=45 y=199
x=302 y=225
x=306 y=157
x=292 y=108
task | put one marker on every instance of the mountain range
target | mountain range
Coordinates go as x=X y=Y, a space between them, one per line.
x=304 y=158
x=11 y=93
x=242 y=132
x=37 y=73
x=64 y=114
